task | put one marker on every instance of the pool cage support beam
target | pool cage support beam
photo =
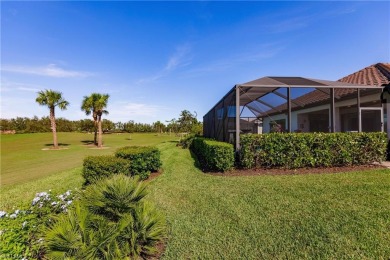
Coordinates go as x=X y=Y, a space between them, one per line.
x=266 y=104
x=285 y=97
x=385 y=99
x=332 y=112
x=289 y=128
x=388 y=119
x=359 y=111
x=237 y=118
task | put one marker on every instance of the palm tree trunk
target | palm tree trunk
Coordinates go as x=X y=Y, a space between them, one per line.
x=100 y=142
x=53 y=127
x=95 y=134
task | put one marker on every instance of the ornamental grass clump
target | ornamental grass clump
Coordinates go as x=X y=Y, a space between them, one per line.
x=110 y=221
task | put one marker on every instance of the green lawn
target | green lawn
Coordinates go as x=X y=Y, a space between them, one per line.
x=23 y=160
x=271 y=217
x=331 y=216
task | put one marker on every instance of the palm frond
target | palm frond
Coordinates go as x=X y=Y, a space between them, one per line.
x=111 y=221
x=51 y=98
x=95 y=104
x=115 y=196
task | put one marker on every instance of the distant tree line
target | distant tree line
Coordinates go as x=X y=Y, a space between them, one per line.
x=187 y=122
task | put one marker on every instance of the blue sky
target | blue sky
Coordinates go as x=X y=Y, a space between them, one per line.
x=158 y=58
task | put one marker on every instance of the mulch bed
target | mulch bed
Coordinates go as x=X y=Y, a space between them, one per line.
x=160 y=249
x=281 y=171
x=153 y=176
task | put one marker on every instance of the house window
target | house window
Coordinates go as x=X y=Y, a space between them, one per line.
x=349 y=122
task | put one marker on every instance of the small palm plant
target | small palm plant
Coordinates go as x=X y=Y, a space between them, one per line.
x=111 y=221
x=82 y=235
x=52 y=99
x=115 y=197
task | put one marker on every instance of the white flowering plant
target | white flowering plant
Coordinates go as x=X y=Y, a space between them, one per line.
x=21 y=229
x=46 y=203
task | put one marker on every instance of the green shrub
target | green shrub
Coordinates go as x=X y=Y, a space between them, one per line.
x=388 y=151
x=296 y=150
x=143 y=159
x=213 y=155
x=110 y=221
x=98 y=167
x=186 y=141
x=21 y=231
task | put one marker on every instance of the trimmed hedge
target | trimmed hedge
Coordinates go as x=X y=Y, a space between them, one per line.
x=143 y=159
x=99 y=167
x=297 y=150
x=186 y=141
x=388 y=151
x=213 y=155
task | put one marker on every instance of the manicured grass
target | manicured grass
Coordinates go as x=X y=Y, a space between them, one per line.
x=272 y=217
x=16 y=195
x=23 y=160
x=332 y=216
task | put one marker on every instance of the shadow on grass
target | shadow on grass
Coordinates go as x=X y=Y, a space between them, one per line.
x=196 y=161
x=87 y=142
x=128 y=139
x=175 y=142
x=59 y=144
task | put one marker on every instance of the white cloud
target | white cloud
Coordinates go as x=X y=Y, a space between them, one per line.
x=7 y=86
x=180 y=58
x=254 y=54
x=288 y=25
x=51 y=70
x=29 y=89
x=137 y=111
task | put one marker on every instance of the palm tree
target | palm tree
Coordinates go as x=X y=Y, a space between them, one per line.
x=95 y=104
x=159 y=126
x=52 y=99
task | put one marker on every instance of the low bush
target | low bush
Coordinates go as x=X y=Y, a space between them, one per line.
x=98 y=167
x=22 y=231
x=143 y=159
x=213 y=155
x=186 y=141
x=110 y=221
x=388 y=151
x=296 y=150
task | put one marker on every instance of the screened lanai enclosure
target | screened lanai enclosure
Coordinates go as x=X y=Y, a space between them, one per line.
x=295 y=104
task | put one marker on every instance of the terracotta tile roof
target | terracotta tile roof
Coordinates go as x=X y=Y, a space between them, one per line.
x=376 y=74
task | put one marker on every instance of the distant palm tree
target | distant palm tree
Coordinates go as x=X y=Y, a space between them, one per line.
x=159 y=126
x=95 y=104
x=52 y=99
